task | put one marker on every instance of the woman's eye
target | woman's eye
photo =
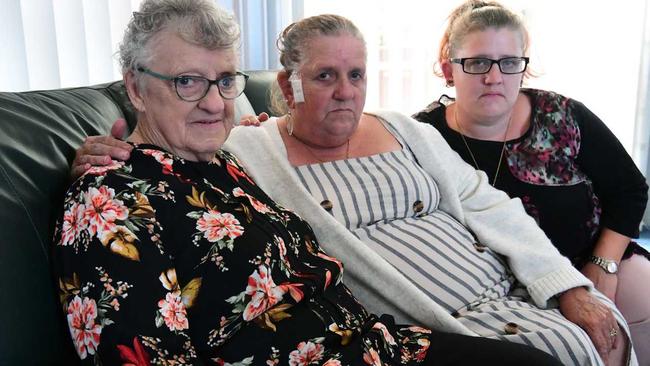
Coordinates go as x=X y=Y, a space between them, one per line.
x=479 y=62
x=185 y=81
x=356 y=75
x=324 y=76
x=227 y=82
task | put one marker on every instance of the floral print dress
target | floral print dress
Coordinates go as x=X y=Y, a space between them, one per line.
x=166 y=261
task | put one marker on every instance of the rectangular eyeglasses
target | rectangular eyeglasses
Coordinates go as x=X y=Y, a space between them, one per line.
x=482 y=65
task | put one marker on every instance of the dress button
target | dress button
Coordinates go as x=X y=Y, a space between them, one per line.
x=327 y=205
x=511 y=328
x=418 y=206
x=479 y=247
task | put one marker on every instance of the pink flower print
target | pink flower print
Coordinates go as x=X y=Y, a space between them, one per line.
x=263 y=292
x=101 y=170
x=384 y=331
x=421 y=353
x=306 y=354
x=102 y=210
x=81 y=321
x=371 y=357
x=215 y=226
x=173 y=312
x=73 y=224
x=257 y=205
x=164 y=160
x=416 y=329
x=332 y=362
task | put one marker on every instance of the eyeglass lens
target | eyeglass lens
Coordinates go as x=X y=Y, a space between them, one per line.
x=193 y=88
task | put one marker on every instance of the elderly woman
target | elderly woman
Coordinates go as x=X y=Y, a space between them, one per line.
x=549 y=150
x=423 y=234
x=175 y=256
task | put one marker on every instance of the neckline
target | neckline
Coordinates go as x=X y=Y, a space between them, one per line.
x=150 y=146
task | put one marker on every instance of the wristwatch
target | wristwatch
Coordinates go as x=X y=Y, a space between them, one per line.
x=607 y=265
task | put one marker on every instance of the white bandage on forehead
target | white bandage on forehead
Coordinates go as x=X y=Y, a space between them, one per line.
x=296 y=86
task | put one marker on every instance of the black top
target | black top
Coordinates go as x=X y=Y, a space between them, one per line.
x=571 y=173
x=161 y=259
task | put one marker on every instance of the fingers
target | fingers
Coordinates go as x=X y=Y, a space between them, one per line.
x=105 y=146
x=78 y=170
x=119 y=129
x=251 y=120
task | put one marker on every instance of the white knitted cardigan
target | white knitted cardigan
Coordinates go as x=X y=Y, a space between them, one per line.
x=498 y=222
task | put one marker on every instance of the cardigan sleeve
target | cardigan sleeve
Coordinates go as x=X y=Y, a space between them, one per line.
x=499 y=222
x=619 y=185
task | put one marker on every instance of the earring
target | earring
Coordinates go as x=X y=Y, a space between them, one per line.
x=449 y=83
x=289 y=124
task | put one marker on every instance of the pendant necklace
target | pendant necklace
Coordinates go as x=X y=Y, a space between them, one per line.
x=503 y=147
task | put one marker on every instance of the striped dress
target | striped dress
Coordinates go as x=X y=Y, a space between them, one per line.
x=391 y=204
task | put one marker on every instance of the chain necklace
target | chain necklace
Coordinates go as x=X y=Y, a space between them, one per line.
x=312 y=153
x=503 y=147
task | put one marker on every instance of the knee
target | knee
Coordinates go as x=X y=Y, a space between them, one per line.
x=632 y=291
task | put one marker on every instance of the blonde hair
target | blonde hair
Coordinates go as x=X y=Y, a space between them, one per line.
x=293 y=46
x=478 y=15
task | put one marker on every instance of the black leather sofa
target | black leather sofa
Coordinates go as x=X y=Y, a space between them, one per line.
x=39 y=132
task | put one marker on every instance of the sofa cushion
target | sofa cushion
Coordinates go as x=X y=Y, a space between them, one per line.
x=39 y=133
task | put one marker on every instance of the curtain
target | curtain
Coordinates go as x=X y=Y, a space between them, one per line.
x=50 y=44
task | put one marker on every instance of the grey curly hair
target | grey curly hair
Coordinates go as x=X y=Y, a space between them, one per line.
x=198 y=22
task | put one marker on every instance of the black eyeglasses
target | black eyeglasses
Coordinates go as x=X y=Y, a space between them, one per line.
x=192 y=88
x=482 y=65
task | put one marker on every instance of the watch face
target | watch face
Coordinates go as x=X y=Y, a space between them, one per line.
x=612 y=267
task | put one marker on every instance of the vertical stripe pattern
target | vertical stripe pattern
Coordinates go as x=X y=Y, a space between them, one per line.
x=391 y=205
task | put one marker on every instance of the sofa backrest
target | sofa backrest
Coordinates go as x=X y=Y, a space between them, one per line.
x=39 y=132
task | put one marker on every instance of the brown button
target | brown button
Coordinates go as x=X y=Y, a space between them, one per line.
x=479 y=247
x=418 y=206
x=511 y=328
x=327 y=205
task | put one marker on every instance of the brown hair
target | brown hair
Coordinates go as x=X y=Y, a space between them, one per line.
x=478 y=15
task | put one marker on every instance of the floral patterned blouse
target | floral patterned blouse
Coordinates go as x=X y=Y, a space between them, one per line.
x=166 y=261
x=571 y=173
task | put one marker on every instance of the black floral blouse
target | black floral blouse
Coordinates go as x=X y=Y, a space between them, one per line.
x=172 y=262
x=571 y=173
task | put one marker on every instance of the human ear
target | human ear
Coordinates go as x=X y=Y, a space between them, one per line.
x=447 y=72
x=133 y=91
x=285 y=87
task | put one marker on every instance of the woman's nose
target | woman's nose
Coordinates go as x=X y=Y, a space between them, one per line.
x=344 y=90
x=213 y=102
x=494 y=75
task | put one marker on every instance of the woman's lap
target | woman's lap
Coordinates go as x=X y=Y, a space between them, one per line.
x=519 y=321
x=454 y=349
x=633 y=301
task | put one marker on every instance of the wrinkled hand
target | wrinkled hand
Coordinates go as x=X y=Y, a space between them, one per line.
x=252 y=120
x=99 y=150
x=584 y=309
x=604 y=282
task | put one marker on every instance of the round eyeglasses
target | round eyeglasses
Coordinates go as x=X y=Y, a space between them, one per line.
x=192 y=88
x=482 y=65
